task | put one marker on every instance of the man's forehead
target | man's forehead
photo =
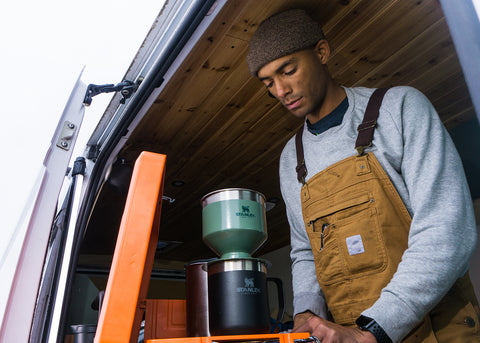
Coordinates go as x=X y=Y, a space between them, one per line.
x=276 y=66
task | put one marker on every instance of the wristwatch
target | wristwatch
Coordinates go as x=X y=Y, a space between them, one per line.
x=368 y=324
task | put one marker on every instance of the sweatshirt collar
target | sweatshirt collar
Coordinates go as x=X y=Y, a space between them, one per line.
x=334 y=118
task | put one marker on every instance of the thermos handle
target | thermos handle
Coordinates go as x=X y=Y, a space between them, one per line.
x=281 y=298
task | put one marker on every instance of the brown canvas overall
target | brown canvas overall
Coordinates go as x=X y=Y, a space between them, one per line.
x=358 y=229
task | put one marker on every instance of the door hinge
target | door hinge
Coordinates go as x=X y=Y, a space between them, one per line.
x=126 y=89
x=64 y=141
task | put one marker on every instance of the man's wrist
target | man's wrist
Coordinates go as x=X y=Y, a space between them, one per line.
x=368 y=324
x=302 y=317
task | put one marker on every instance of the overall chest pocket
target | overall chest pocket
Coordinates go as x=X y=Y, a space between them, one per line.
x=345 y=237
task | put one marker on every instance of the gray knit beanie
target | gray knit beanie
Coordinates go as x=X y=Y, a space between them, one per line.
x=280 y=35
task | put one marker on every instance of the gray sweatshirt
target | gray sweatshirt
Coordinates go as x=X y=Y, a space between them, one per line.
x=420 y=158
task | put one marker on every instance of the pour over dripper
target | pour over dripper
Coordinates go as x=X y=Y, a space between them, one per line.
x=234 y=222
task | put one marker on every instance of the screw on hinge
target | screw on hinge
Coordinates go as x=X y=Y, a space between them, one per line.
x=66 y=136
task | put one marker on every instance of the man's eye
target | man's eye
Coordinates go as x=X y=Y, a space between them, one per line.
x=291 y=72
x=269 y=84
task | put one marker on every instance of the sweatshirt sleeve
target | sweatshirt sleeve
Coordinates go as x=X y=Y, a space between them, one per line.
x=307 y=294
x=442 y=233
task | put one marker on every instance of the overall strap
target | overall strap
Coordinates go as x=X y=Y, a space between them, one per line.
x=301 y=167
x=364 y=138
x=366 y=128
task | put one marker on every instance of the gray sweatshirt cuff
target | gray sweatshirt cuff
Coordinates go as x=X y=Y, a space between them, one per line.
x=312 y=302
x=396 y=320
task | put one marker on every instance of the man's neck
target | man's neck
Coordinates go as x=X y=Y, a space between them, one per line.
x=335 y=95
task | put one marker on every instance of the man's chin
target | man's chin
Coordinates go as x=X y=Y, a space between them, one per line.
x=298 y=112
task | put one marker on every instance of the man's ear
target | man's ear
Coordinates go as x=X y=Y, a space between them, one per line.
x=323 y=50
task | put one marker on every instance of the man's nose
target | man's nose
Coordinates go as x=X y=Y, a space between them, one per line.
x=282 y=89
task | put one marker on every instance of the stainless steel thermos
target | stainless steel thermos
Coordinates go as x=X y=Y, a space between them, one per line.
x=229 y=297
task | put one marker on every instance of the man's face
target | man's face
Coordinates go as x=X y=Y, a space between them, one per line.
x=299 y=81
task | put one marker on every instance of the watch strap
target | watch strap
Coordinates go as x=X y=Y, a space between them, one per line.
x=369 y=324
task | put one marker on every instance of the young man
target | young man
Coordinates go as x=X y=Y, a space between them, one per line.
x=380 y=213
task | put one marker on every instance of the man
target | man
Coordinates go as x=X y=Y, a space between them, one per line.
x=381 y=217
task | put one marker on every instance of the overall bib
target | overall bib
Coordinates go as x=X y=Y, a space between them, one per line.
x=358 y=229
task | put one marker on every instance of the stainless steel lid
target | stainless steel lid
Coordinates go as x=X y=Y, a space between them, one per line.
x=235 y=264
x=232 y=194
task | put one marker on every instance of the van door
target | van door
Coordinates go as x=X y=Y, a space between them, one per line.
x=22 y=260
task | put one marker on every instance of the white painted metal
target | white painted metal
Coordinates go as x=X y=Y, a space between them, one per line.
x=464 y=23
x=11 y=254
x=26 y=253
x=66 y=260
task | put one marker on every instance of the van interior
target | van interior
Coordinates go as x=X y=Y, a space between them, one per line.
x=219 y=128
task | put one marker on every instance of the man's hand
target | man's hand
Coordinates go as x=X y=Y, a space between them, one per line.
x=328 y=332
x=300 y=319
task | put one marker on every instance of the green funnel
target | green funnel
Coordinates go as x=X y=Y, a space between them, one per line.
x=234 y=222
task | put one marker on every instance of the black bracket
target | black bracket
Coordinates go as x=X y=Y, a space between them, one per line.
x=126 y=88
x=79 y=166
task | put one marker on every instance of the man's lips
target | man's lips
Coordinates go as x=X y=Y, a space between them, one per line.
x=293 y=104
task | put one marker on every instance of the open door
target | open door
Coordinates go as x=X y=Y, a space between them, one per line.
x=22 y=261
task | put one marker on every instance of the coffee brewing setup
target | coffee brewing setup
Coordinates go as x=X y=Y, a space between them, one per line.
x=228 y=295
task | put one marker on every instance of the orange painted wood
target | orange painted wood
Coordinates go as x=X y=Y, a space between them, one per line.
x=127 y=286
x=165 y=318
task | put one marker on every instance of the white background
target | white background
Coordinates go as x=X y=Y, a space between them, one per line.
x=43 y=47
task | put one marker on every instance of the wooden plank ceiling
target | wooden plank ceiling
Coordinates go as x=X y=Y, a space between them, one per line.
x=219 y=129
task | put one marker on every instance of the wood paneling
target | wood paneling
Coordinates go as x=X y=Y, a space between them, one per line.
x=219 y=128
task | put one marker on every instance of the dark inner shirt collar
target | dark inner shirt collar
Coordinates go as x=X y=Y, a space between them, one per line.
x=334 y=118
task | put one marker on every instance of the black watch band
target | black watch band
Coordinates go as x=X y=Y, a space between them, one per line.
x=369 y=324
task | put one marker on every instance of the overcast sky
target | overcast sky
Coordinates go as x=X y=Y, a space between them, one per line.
x=43 y=47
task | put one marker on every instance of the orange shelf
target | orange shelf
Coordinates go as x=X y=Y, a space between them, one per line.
x=125 y=297
x=282 y=338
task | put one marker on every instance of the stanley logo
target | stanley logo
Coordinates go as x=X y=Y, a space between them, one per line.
x=245 y=212
x=249 y=287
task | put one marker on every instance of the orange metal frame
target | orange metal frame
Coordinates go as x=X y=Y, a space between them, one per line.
x=125 y=297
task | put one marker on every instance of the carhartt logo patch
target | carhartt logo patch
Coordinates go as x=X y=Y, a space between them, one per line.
x=355 y=245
